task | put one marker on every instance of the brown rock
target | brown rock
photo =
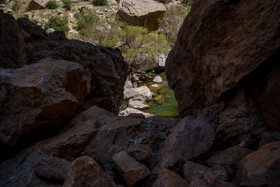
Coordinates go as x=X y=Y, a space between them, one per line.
x=34 y=31
x=42 y=164
x=38 y=98
x=12 y=49
x=128 y=133
x=229 y=158
x=37 y=4
x=261 y=168
x=268 y=137
x=52 y=168
x=142 y=13
x=130 y=170
x=167 y=178
x=84 y=171
x=239 y=121
x=105 y=66
x=267 y=93
x=219 y=44
x=198 y=175
x=190 y=138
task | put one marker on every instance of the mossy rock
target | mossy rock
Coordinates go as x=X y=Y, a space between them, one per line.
x=159 y=99
x=154 y=94
x=155 y=89
x=163 y=90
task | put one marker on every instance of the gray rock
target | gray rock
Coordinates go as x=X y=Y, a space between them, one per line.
x=137 y=104
x=50 y=30
x=142 y=91
x=157 y=79
x=161 y=60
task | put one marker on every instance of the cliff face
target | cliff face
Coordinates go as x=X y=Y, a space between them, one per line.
x=226 y=46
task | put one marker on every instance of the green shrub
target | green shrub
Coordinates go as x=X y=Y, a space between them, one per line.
x=99 y=2
x=51 y=4
x=16 y=5
x=172 y=21
x=85 y=18
x=66 y=4
x=58 y=24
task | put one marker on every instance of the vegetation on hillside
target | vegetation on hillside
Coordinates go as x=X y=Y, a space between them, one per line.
x=66 y=4
x=99 y=2
x=58 y=24
x=51 y=4
x=172 y=21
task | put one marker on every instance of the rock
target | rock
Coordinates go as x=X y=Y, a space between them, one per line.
x=130 y=170
x=191 y=169
x=208 y=177
x=84 y=171
x=239 y=121
x=137 y=104
x=167 y=178
x=50 y=30
x=225 y=184
x=141 y=92
x=267 y=91
x=142 y=153
x=129 y=111
x=161 y=60
x=127 y=84
x=260 y=168
x=105 y=66
x=112 y=2
x=198 y=175
x=125 y=133
x=155 y=87
x=142 y=13
x=35 y=31
x=190 y=138
x=37 y=4
x=212 y=56
x=157 y=79
x=39 y=98
x=229 y=158
x=268 y=137
x=52 y=168
x=73 y=34
x=159 y=99
x=46 y=158
x=12 y=47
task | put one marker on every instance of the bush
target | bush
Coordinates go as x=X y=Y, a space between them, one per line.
x=51 y=4
x=58 y=24
x=66 y=4
x=16 y=5
x=99 y=2
x=172 y=21
x=85 y=18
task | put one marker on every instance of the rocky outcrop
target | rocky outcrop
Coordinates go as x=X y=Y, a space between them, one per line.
x=86 y=172
x=130 y=170
x=12 y=49
x=260 y=168
x=142 y=13
x=219 y=45
x=39 y=98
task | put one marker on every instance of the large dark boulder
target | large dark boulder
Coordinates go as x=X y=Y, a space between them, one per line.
x=219 y=45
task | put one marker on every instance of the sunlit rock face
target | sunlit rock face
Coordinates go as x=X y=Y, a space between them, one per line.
x=142 y=13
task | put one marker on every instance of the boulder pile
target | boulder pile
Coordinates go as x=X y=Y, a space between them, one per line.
x=59 y=100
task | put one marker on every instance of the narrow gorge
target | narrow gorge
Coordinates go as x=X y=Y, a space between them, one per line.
x=140 y=93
